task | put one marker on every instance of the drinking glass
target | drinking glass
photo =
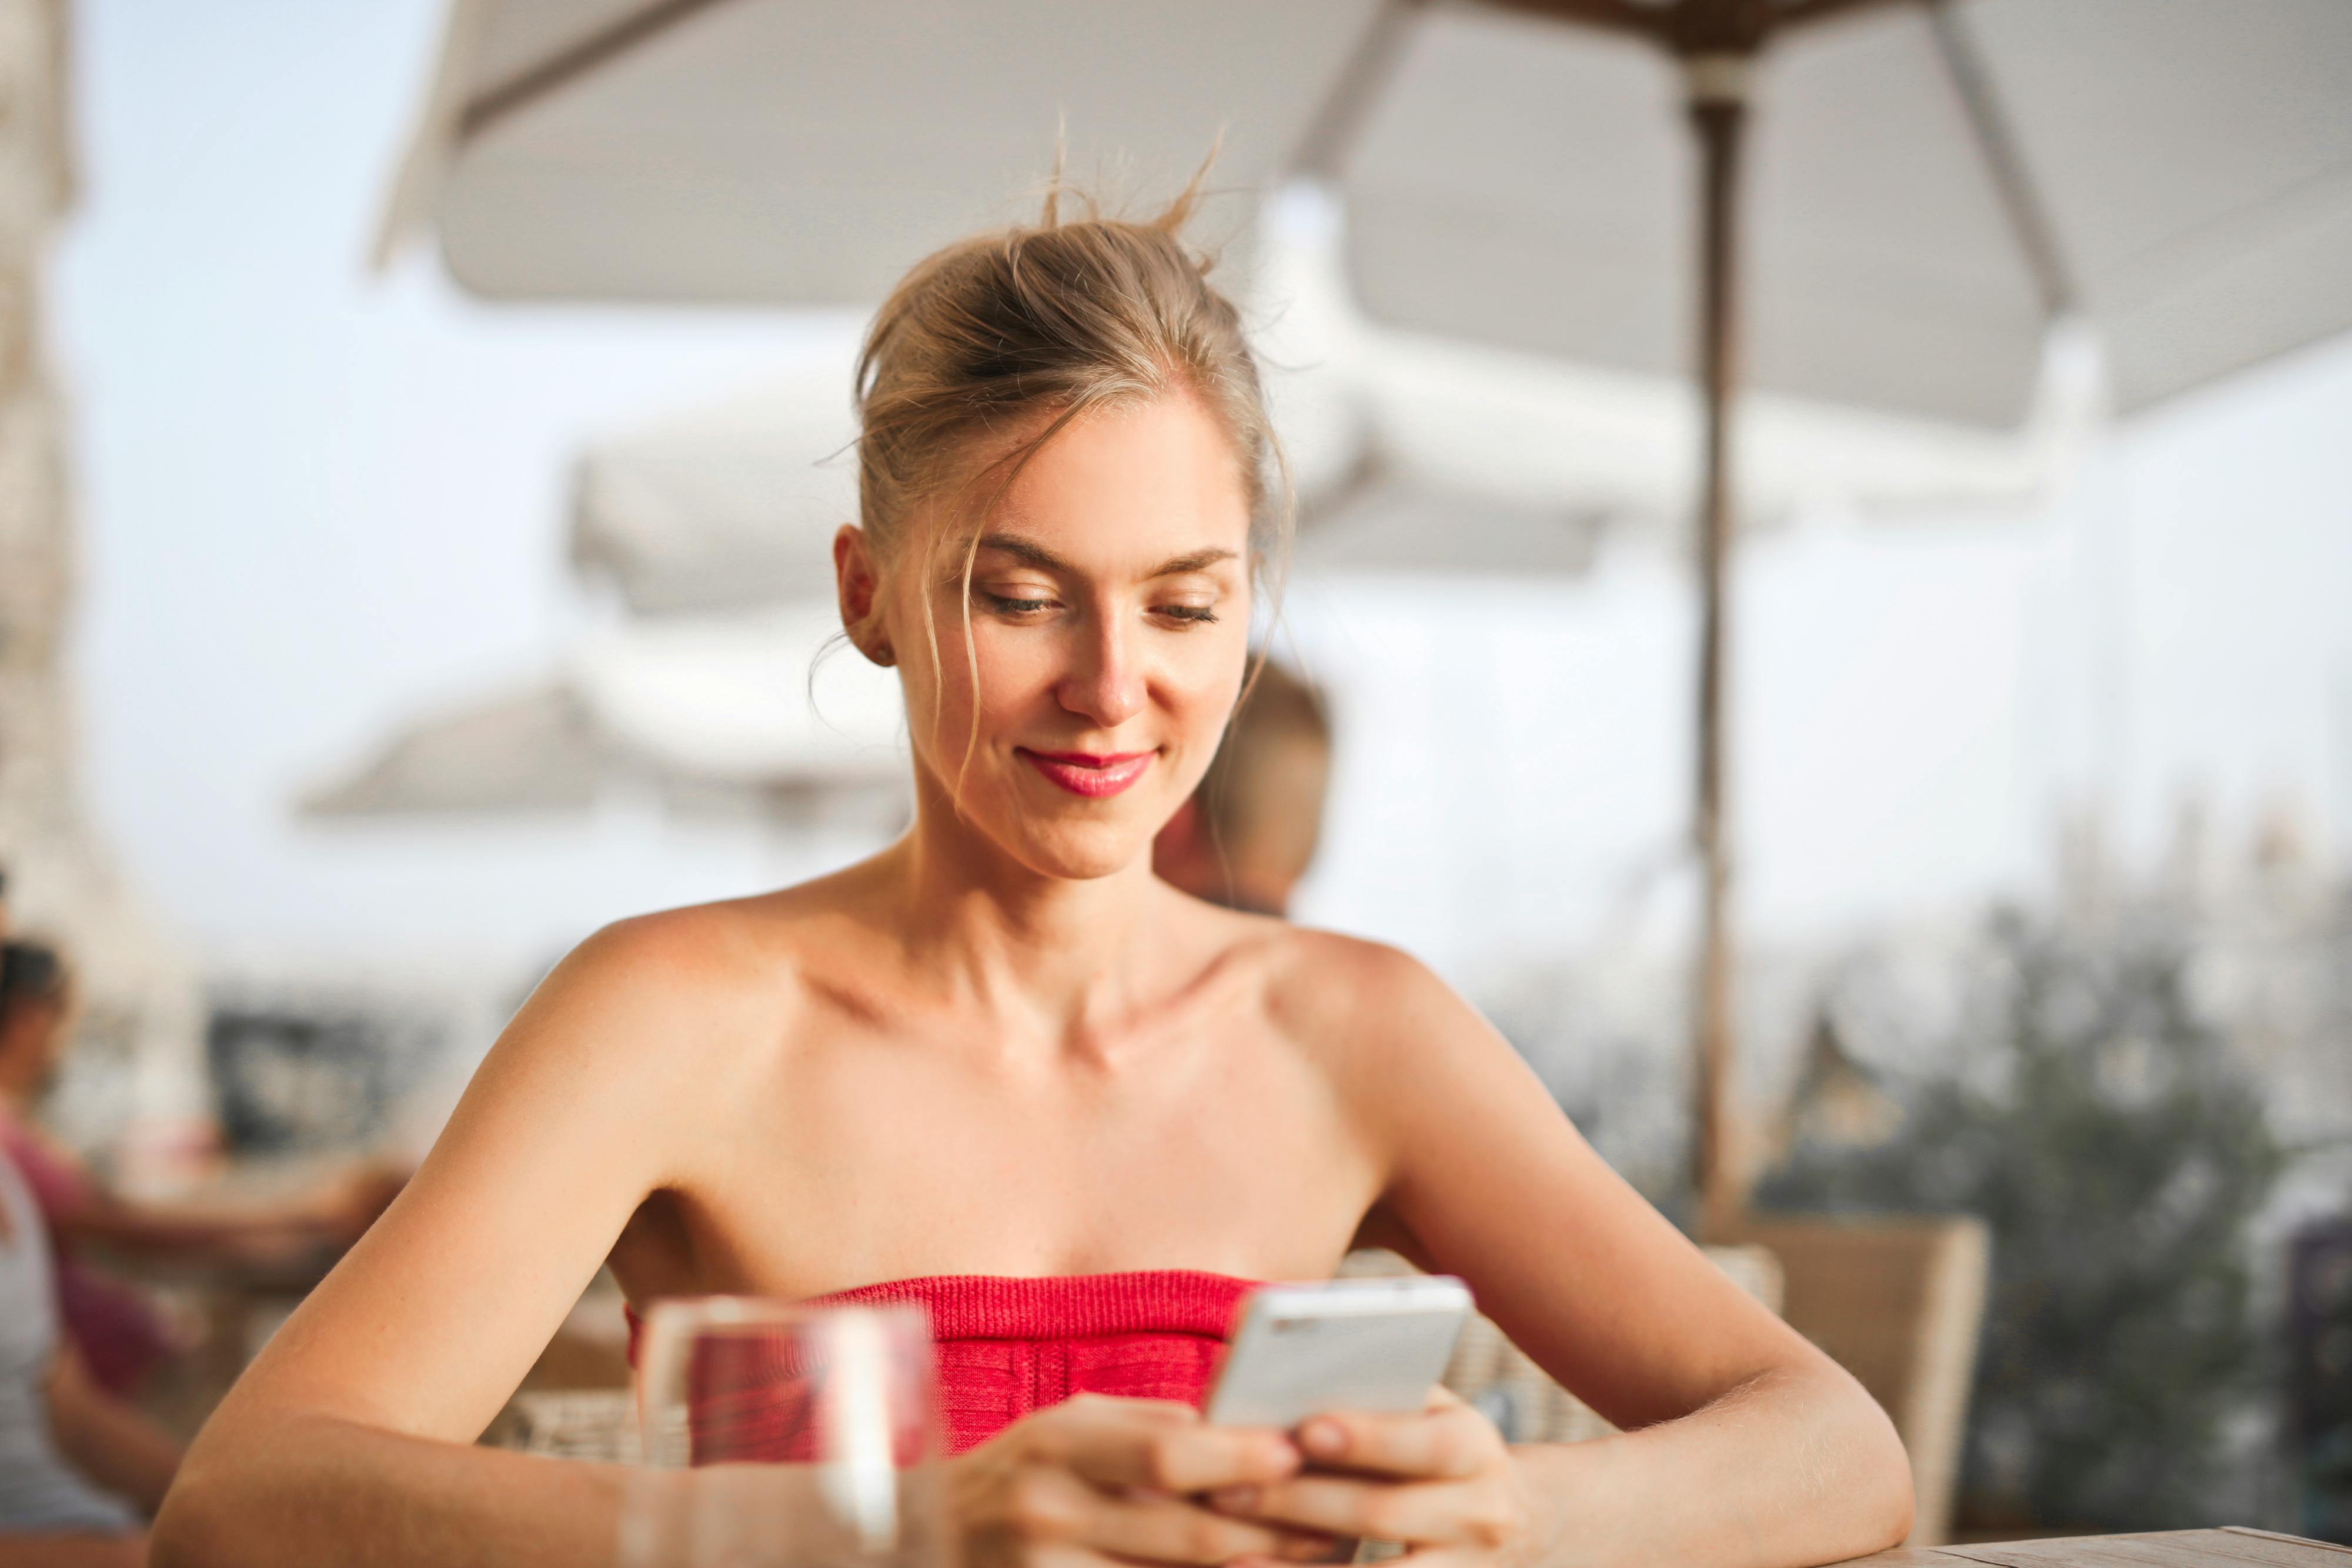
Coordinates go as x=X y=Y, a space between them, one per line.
x=777 y=1435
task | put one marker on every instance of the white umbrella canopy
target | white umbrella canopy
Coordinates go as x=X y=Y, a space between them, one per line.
x=1534 y=432
x=760 y=699
x=1929 y=182
x=748 y=713
x=727 y=505
x=764 y=152
x=531 y=749
x=1931 y=179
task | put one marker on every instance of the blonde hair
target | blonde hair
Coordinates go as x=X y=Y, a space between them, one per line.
x=1062 y=317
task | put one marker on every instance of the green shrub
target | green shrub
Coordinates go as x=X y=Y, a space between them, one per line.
x=2118 y=1153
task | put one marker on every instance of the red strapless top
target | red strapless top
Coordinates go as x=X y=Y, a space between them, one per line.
x=1007 y=1346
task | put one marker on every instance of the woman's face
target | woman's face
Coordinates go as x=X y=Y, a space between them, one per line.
x=1109 y=615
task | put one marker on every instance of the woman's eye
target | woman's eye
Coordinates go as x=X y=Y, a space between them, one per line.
x=1197 y=613
x=1015 y=604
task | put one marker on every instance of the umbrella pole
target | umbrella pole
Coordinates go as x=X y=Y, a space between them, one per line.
x=1718 y=113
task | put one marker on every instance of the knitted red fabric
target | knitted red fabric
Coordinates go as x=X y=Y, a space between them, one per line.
x=1007 y=1346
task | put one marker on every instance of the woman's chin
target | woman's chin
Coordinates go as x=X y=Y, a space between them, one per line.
x=1081 y=851
x=1085 y=862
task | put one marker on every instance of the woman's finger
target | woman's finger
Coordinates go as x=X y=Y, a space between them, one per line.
x=1473 y=1513
x=1046 y=1503
x=1112 y=1444
x=1343 y=1505
x=1168 y=1529
x=1443 y=1557
x=1419 y=1557
x=1446 y=1440
x=1068 y=1554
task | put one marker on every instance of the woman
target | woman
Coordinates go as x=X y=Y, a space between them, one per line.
x=999 y=1069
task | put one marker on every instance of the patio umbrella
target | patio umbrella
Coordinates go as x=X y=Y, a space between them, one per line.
x=729 y=504
x=1935 y=180
x=714 y=713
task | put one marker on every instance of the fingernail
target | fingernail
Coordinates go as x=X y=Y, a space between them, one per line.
x=1234 y=1499
x=1324 y=1437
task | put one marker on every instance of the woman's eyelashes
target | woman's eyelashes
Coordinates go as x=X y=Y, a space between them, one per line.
x=1029 y=605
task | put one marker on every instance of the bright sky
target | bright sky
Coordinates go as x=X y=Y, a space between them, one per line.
x=316 y=501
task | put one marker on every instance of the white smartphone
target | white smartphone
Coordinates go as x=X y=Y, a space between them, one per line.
x=1374 y=1345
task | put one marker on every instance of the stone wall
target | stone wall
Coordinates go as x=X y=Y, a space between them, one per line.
x=134 y=1087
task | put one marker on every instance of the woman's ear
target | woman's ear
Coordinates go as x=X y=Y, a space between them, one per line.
x=858 y=586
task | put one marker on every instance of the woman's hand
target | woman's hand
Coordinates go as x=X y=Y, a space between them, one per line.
x=1441 y=1483
x=1097 y=1480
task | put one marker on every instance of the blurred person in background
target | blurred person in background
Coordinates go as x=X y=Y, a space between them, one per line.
x=1002 y=1071
x=78 y=1467
x=1247 y=837
x=118 y=1330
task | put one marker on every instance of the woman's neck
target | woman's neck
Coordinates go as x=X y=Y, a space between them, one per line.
x=1055 y=958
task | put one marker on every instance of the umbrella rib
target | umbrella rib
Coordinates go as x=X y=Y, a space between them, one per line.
x=1619 y=15
x=1341 y=116
x=2029 y=219
x=1798 y=13
x=571 y=63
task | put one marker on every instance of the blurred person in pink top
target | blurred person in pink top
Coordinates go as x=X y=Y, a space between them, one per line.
x=79 y=1469
x=120 y=1336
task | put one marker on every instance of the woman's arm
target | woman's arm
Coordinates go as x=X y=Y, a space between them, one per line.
x=111 y=1442
x=350 y=1438
x=73 y=1552
x=1745 y=1446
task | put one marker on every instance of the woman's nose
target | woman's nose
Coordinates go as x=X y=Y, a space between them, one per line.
x=1103 y=684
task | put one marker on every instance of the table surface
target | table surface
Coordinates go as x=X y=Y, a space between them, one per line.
x=2231 y=1548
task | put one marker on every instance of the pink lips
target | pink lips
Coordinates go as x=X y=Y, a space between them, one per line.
x=1090 y=773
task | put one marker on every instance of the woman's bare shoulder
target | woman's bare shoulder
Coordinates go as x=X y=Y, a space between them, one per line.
x=1362 y=996
x=723 y=944
x=1394 y=1042
x=734 y=971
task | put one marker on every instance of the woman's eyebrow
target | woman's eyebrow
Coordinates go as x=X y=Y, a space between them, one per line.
x=1033 y=554
x=1200 y=559
x=1024 y=551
